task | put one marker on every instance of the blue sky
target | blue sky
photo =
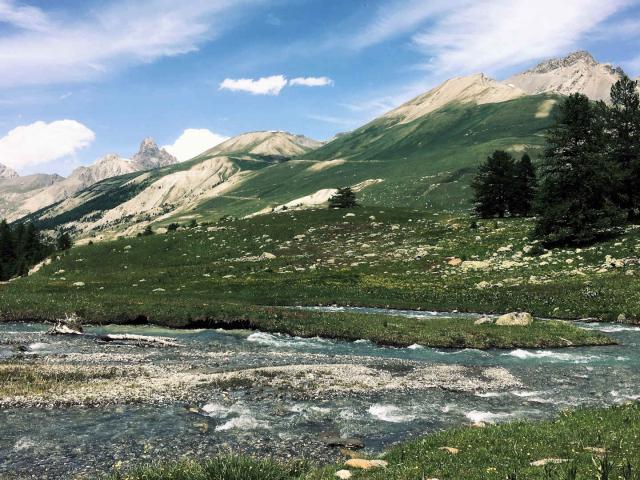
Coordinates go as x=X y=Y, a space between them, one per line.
x=79 y=79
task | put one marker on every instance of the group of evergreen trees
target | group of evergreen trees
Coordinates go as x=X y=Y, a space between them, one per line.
x=505 y=187
x=589 y=175
x=22 y=246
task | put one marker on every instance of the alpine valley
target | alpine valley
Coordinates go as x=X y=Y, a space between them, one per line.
x=243 y=315
x=421 y=154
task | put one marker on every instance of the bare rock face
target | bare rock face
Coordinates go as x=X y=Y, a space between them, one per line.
x=578 y=72
x=151 y=156
x=478 y=89
x=6 y=172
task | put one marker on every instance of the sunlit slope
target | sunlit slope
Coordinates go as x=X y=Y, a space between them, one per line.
x=426 y=162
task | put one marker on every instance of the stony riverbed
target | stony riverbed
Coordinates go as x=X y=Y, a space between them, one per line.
x=274 y=395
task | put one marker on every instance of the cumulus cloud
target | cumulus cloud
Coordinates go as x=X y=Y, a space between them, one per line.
x=193 y=142
x=272 y=85
x=311 y=81
x=43 y=49
x=41 y=142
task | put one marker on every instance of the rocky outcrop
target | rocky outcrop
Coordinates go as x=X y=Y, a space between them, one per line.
x=151 y=156
x=578 y=72
x=6 y=172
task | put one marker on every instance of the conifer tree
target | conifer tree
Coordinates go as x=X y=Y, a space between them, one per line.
x=64 y=241
x=577 y=180
x=523 y=189
x=345 y=197
x=493 y=185
x=623 y=129
x=7 y=251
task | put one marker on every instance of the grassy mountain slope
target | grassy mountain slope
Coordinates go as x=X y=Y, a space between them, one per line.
x=126 y=203
x=427 y=162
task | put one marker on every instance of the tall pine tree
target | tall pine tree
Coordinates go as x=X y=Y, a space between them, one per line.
x=623 y=129
x=7 y=251
x=524 y=187
x=576 y=200
x=493 y=185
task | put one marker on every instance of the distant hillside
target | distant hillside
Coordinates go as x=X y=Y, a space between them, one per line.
x=269 y=144
x=126 y=203
x=14 y=190
x=24 y=201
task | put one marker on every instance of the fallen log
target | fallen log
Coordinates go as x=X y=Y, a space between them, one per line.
x=141 y=340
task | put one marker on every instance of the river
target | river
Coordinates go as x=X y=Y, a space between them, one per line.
x=78 y=440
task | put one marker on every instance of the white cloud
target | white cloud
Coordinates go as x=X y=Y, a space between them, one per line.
x=47 y=50
x=272 y=85
x=40 y=142
x=490 y=35
x=25 y=17
x=397 y=18
x=311 y=81
x=193 y=142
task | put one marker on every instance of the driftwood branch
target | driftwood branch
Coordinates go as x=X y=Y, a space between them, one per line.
x=141 y=340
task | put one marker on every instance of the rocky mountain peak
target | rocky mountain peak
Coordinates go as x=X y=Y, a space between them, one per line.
x=110 y=158
x=574 y=58
x=578 y=72
x=6 y=172
x=151 y=156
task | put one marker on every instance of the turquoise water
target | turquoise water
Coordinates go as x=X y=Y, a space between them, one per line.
x=54 y=443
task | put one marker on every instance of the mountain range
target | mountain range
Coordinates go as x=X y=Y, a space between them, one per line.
x=421 y=154
x=24 y=195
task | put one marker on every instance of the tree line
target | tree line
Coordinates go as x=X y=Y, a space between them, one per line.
x=587 y=181
x=23 y=246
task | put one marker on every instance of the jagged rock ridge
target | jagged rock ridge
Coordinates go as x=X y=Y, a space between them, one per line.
x=151 y=156
x=148 y=157
x=578 y=72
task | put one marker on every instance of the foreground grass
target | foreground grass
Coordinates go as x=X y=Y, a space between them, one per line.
x=593 y=444
x=222 y=468
x=23 y=380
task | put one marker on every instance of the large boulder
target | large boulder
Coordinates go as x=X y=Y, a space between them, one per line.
x=515 y=319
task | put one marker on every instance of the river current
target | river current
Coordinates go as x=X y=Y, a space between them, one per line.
x=65 y=441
